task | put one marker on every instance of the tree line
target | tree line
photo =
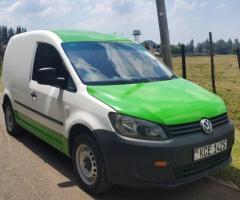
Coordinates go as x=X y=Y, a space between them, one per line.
x=5 y=35
x=221 y=47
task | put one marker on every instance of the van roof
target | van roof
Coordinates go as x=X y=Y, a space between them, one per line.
x=85 y=36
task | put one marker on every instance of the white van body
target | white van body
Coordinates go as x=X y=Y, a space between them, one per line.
x=122 y=116
x=64 y=107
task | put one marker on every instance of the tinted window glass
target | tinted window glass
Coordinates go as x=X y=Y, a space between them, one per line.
x=48 y=56
x=114 y=62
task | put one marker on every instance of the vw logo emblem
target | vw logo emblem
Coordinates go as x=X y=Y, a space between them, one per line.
x=206 y=126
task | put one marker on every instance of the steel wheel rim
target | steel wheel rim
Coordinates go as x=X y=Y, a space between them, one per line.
x=86 y=164
x=9 y=118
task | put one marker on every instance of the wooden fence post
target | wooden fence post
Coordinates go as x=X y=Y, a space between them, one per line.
x=212 y=63
x=238 y=56
x=184 y=71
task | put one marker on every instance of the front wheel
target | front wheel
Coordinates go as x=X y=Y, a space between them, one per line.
x=12 y=127
x=88 y=165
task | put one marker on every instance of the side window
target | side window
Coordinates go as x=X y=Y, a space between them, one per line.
x=48 y=56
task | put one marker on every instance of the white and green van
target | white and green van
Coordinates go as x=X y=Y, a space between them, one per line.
x=121 y=115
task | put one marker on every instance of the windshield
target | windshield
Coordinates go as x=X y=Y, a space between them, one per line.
x=99 y=63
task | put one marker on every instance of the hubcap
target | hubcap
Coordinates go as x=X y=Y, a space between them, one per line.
x=86 y=164
x=9 y=118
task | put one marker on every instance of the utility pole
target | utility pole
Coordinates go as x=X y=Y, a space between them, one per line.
x=164 y=33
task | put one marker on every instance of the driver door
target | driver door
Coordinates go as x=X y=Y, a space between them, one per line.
x=46 y=101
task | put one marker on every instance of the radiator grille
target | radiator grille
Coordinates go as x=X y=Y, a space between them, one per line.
x=190 y=128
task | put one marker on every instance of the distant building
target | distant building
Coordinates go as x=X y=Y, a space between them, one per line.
x=152 y=46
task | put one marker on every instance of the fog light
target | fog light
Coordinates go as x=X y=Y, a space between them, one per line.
x=160 y=163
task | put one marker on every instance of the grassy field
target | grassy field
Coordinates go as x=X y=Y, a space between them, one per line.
x=227 y=79
x=228 y=87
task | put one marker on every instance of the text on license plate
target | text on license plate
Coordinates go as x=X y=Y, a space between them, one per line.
x=209 y=150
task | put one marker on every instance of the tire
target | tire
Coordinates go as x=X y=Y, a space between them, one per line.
x=88 y=165
x=11 y=125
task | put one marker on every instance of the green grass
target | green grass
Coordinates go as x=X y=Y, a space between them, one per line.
x=227 y=79
x=232 y=172
x=228 y=87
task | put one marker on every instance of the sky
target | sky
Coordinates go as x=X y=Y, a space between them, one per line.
x=188 y=19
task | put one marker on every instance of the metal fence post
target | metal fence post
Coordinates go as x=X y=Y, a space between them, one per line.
x=212 y=63
x=238 y=56
x=184 y=71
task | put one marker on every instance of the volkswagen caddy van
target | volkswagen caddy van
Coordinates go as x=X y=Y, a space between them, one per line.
x=121 y=115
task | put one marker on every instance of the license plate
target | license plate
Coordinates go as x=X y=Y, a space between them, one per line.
x=209 y=150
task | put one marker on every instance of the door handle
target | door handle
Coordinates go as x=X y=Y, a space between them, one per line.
x=34 y=95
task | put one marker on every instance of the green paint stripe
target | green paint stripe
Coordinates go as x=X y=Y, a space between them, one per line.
x=85 y=36
x=50 y=136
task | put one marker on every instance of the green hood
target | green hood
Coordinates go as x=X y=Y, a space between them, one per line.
x=169 y=102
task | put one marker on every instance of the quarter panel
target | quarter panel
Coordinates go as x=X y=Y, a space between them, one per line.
x=81 y=108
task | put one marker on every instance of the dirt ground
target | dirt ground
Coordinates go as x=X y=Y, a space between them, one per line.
x=30 y=169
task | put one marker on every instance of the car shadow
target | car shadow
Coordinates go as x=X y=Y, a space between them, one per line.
x=202 y=189
x=49 y=155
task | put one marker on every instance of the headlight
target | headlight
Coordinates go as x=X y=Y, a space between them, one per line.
x=136 y=128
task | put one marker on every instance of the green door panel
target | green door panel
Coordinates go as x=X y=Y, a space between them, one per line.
x=169 y=102
x=53 y=138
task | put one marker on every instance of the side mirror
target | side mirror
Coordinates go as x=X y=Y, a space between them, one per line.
x=48 y=76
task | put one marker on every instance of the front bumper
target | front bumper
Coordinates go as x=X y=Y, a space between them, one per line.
x=130 y=162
